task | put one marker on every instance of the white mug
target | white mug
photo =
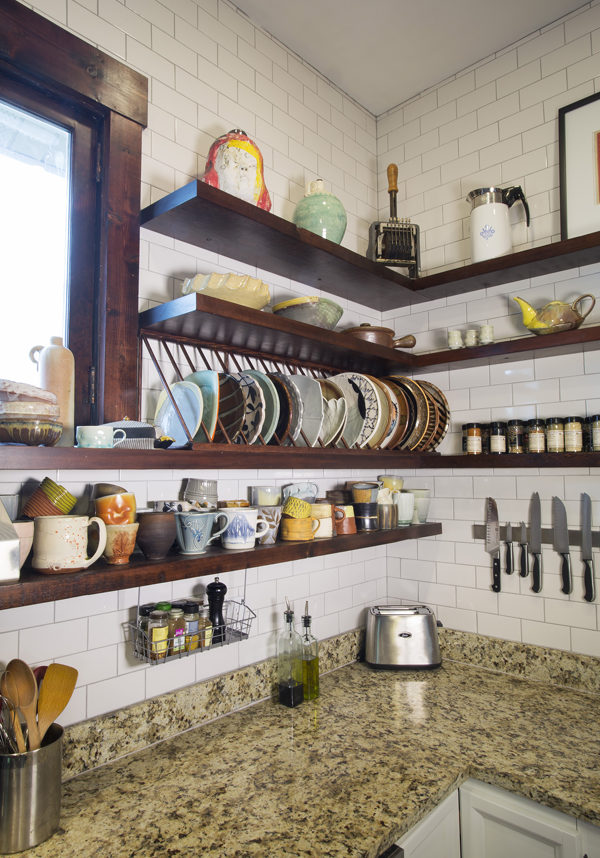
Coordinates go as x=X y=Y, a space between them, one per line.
x=60 y=542
x=99 y=436
x=325 y=530
x=245 y=525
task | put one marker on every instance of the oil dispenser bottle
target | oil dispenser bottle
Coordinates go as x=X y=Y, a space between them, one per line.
x=289 y=662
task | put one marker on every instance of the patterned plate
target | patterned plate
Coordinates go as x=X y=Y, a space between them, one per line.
x=405 y=420
x=254 y=401
x=282 y=428
x=394 y=414
x=231 y=410
x=335 y=409
x=361 y=394
x=296 y=407
x=385 y=413
x=271 y=402
x=423 y=412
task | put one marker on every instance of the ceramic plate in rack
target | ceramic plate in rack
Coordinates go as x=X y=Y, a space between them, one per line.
x=296 y=406
x=312 y=403
x=207 y=380
x=281 y=433
x=404 y=424
x=444 y=417
x=367 y=404
x=385 y=414
x=355 y=411
x=188 y=398
x=335 y=410
x=421 y=410
x=394 y=414
x=271 y=402
x=231 y=410
x=254 y=402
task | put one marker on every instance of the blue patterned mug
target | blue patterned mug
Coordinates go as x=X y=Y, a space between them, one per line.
x=194 y=529
x=244 y=526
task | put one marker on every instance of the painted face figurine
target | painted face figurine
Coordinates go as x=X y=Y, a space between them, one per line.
x=235 y=165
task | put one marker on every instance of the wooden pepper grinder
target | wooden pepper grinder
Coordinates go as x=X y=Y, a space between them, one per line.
x=56 y=366
x=215 y=592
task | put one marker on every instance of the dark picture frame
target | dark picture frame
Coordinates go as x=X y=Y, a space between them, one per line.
x=579 y=159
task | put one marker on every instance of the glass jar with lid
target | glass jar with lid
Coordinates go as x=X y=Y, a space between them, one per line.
x=497 y=437
x=573 y=434
x=555 y=435
x=594 y=433
x=176 y=631
x=158 y=634
x=474 y=445
x=515 y=432
x=205 y=631
x=191 y=618
x=536 y=435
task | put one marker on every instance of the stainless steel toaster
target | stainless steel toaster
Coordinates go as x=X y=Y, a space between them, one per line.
x=402 y=637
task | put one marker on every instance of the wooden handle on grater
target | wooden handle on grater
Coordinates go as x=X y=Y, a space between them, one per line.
x=392 y=174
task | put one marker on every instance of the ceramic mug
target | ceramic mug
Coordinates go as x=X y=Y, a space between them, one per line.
x=233 y=504
x=405 y=504
x=366 y=516
x=120 y=542
x=299 y=529
x=156 y=534
x=116 y=509
x=387 y=516
x=99 y=436
x=325 y=529
x=272 y=515
x=296 y=508
x=365 y=492
x=244 y=526
x=60 y=542
x=421 y=505
x=194 y=530
x=345 y=525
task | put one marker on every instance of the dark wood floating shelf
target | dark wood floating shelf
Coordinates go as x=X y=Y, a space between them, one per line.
x=216 y=324
x=103 y=578
x=224 y=456
x=212 y=219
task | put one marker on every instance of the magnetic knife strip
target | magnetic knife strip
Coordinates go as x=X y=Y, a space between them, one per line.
x=547 y=535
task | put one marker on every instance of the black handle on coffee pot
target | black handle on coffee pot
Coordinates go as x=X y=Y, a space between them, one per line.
x=513 y=195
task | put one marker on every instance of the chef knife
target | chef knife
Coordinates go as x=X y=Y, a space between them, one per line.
x=561 y=542
x=492 y=541
x=510 y=558
x=524 y=560
x=589 y=578
x=535 y=541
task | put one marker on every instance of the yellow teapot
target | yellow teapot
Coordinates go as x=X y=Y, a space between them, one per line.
x=555 y=316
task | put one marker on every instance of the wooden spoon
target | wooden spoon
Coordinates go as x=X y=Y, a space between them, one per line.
x=27 y=689
x=57 y=688
x=9 y=690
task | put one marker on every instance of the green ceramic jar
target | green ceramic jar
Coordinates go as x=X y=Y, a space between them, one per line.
x=321 y=212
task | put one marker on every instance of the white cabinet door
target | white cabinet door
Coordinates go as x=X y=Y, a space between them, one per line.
x=590 y=839
x=497 y=824
x=436 y=836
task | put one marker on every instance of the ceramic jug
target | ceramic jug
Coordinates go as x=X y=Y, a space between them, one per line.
x=56 y=366
x=490 y=224
x=321 y=212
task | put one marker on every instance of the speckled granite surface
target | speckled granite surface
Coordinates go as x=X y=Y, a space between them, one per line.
x=345 y=775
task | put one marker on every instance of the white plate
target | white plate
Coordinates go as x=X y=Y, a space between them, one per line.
x=335 y=409
x=188 y=397
x=312 y=415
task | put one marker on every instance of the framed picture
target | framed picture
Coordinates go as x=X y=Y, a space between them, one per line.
x=579 y=154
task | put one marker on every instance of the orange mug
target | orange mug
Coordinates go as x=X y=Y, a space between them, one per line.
x=298 y=529
x=116 y=509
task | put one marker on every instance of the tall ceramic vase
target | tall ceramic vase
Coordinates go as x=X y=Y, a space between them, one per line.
x=321 y=212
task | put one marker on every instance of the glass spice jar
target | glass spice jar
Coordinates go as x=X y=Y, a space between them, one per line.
x=573 y=434
x=497 y=437
x=485 y=437
x=158 y=633
x=515 y=431
x=555 y=435
x=176 y=631
x=464 y=437
x=594 y=436
x=191 y=616
x=536 y=435
x=474 y=446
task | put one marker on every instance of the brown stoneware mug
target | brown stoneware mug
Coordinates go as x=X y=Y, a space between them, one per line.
x=156 y=533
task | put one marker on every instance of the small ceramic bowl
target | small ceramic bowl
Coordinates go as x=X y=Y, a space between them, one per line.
x=312 y=310
x=59 y=495
x=30 y=432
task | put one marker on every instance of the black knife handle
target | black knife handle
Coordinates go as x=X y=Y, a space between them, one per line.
x=588 y=581
x=565 y=571
x=509 y=558
x=537 y=573
x=524 y=564
x=496 y=574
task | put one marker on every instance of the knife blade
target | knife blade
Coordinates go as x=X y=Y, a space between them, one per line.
x=589 y=577
x=561 y=542
x=510 y=558
x=535 y=542
x=524 y=560
x=492 y=541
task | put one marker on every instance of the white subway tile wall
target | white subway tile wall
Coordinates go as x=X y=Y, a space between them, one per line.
x=211 y=70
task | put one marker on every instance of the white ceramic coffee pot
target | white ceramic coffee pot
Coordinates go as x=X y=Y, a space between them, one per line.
x=490 y=224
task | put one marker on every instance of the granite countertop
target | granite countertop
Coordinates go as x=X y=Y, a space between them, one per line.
x=344 y=775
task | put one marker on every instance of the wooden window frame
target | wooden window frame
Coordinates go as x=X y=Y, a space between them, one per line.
x=39 y=53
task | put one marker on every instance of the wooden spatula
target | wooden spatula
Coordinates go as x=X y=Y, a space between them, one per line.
x=55 y=692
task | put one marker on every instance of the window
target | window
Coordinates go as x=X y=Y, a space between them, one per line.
x=60 y=82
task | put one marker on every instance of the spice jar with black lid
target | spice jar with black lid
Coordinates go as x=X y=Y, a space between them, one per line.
x=555 y=435
x=536 y=435
x=593 y=424
x=474 y=446
x=573 y=434
x=497 y=437
x=515 y=431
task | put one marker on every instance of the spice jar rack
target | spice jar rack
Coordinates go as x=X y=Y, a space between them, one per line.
x=238 y=622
